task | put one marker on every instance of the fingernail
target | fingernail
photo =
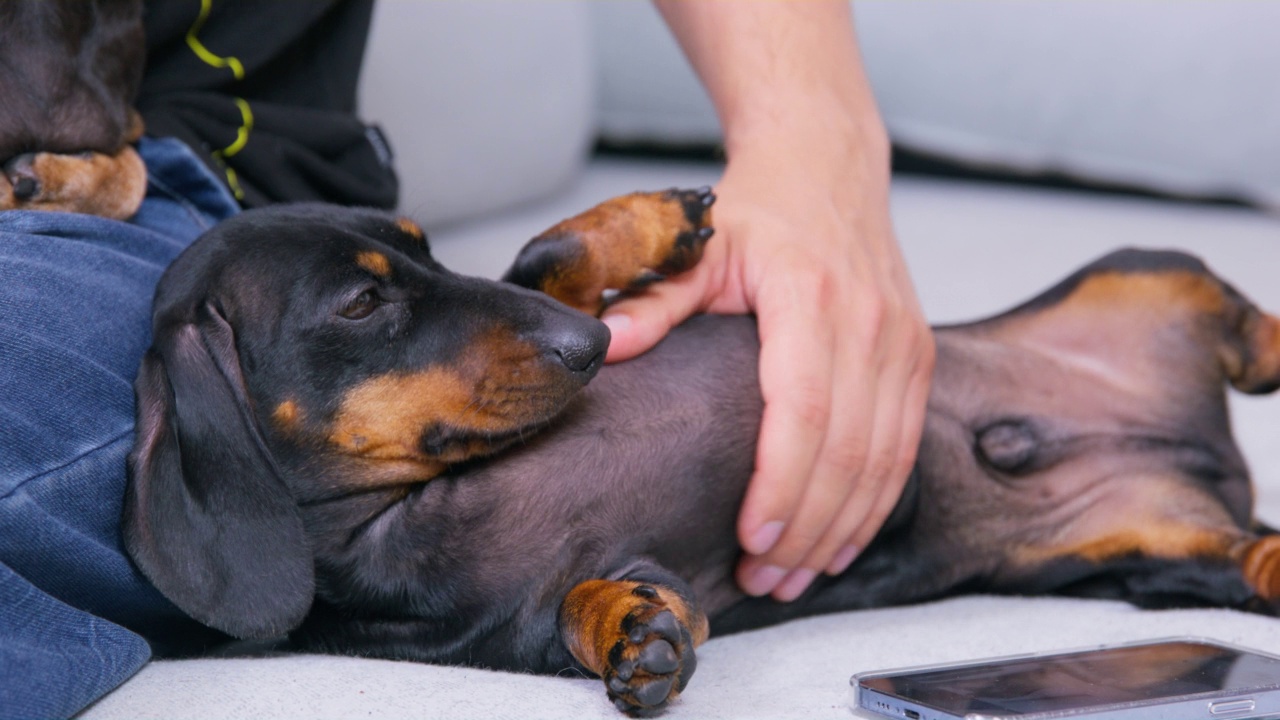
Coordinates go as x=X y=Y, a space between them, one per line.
x=794 y=585
x=617 y=323
x=764 y=538
x=843 y=560
x=763 y=580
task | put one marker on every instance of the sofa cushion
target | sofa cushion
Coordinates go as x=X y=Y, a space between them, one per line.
x=1176 y=98
x=486 y=104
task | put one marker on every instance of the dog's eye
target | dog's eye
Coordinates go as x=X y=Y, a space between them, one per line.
x=361 y=306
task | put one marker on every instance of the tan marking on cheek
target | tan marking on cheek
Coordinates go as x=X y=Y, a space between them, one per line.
x=410 y=228
x=374 y=262
x=499 y=386
x=384 y=417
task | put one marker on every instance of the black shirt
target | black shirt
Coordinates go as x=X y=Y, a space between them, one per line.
x=265 y=91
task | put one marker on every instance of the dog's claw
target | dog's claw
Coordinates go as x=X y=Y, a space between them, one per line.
x=647 y=592
x=708 y=199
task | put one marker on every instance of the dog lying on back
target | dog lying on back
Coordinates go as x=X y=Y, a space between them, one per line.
x=69 y=73
x=341 y=441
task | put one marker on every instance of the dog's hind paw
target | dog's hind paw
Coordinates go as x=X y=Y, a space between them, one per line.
x=1262 y=567
x=638 y=637
x=111 y=186
x=621 y=245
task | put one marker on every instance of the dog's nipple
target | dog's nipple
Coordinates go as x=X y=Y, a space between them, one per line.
x=1007 y=445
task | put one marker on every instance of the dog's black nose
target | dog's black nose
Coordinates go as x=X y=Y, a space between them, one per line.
x=581 y=347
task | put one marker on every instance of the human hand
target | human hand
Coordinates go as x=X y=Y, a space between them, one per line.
x=804 y=241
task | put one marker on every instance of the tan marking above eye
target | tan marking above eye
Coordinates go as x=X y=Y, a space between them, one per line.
x=409 y=227
x=286 y=415
x=374 y=262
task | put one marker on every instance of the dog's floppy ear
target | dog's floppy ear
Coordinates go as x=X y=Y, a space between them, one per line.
x=207 y=515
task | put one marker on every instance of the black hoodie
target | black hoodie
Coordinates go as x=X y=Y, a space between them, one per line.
x=264 y=91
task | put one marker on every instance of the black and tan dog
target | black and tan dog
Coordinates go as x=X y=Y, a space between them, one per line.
x=69 y=73
x=340 y=440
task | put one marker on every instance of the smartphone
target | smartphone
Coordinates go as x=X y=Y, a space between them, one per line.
x=1169 y=679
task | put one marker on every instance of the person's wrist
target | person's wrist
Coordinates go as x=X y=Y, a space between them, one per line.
x=816 y=126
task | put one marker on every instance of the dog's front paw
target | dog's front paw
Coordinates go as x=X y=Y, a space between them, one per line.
x=637 y=636
x=686 y=247
x=621 y=245
x=652 y=659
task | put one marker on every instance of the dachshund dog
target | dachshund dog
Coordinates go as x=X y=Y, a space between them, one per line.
x=69 y=73
x=340 y=441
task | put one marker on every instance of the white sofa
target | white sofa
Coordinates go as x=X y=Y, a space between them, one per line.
x=493 y=122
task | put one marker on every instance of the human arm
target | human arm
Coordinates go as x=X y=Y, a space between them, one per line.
x=804 y=241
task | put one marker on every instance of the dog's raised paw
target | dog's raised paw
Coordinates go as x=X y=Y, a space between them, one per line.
x=621 y=245
x=687 y=249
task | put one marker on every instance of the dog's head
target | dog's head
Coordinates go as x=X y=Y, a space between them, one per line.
x=306 y=352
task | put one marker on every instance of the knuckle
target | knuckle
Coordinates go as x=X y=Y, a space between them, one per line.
x=810 y=406
x=872 y=318
x=880 y=469
x=846 y=458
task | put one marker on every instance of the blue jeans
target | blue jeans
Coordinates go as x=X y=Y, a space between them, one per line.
x=75 y=316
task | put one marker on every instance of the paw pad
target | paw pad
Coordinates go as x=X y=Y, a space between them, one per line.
x=653 y=660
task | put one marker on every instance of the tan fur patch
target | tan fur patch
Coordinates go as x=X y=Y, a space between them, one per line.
x=1167 y=539
x=409 y=227
x=593 y=612
x=286 y=415
x=1262 y=567
x=621 y=239
x=110 y=186
x=498 y=386
x=374 y=262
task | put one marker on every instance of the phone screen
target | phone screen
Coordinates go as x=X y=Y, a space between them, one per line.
x=1083 y=679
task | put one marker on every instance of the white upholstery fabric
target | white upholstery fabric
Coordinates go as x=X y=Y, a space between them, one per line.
x=1176 y=97
x=487 y=103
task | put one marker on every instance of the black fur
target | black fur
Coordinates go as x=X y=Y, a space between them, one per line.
x=639 y=476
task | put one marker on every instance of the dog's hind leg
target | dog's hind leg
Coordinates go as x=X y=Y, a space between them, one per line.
x=637 y=635
x=621 y=245
x=1148 y=341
